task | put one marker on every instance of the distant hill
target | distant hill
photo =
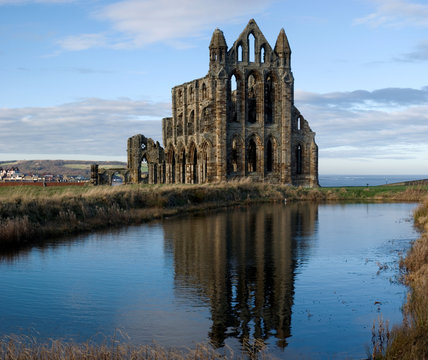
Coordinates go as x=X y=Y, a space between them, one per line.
x=58 y=167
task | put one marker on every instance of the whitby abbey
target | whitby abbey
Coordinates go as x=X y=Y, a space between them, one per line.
x=239 y=121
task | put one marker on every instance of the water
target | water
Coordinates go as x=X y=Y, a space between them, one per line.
x=363 y=180
x=305 y=278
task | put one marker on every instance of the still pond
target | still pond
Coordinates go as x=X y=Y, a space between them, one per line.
x=308 y=279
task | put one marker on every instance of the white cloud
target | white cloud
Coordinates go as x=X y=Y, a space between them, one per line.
x=88 y=126
x=136 y=23
x=83 y=42
x=363 y=99
x=362 y=127
x=391 y=132
x=396 y=13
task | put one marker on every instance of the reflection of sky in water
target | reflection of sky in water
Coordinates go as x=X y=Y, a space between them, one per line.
x=189 y=279
x=336 y=290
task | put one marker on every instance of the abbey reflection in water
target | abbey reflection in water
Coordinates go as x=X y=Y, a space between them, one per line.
x=242 y=264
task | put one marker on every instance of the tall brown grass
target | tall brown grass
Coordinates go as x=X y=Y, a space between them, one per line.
x=28 y=214
x=27 y=348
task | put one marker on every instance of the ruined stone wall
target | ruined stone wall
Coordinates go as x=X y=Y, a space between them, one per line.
x=238 y=121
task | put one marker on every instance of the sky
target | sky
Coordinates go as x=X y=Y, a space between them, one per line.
x=79 y=77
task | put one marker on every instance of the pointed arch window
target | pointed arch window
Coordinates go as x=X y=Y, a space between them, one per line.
x=252 y=99
x=205 y=126
x=191 y=124
x=262 y=54
x=252 y=156
x=269 y=99
x=240 y=52
x=204 y=91
x=233 y=99
x=251 y=47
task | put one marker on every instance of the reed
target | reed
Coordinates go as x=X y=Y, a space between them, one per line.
x=28 y=214
x=28 y=348
x=410 y=339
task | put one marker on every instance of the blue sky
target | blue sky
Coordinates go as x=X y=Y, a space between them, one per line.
x=78 y=77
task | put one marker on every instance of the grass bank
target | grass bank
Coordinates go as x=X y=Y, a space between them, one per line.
x=410 y=340
x=28 y=214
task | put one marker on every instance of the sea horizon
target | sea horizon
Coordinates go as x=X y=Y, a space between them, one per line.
x=335 y=180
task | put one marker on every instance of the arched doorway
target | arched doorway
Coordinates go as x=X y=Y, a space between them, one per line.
x=236 y=161
x=252 y=156
x=117 y=179
x=144 y=170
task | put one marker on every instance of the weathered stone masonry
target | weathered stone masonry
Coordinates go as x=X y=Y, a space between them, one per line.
x=238 y=121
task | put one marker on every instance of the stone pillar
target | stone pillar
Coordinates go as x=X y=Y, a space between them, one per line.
x=134 y=158
x=285 y=105
x=94 y=174
x=314 y=165
x=221 y=123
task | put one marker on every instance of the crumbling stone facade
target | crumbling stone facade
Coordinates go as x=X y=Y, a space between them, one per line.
x=237 y=121
x=101 y=176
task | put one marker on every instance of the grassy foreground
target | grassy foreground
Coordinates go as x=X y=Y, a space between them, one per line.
x=410 y=340
x=25 y=348
x=29 y=214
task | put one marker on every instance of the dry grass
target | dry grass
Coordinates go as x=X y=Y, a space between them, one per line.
x=26 y=348
x=380 y=338
x=28 y=214
x=410 y=340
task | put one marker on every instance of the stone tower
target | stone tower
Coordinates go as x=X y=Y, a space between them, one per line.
x=237 y=121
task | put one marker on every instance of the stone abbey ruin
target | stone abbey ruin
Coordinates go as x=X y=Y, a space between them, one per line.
x=238 y=121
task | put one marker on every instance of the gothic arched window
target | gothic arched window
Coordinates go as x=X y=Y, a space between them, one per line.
x=269 y=99
x=233 y=99
x=251 y=47
x=252 y=156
